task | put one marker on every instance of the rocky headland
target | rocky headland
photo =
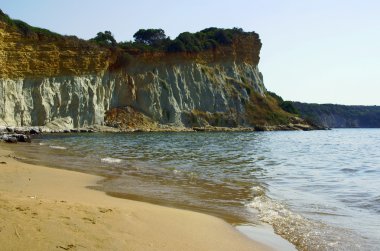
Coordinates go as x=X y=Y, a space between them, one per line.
x=54 y=83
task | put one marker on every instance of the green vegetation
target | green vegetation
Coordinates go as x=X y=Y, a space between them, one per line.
x=146 y=40
x=204 y=40
x=285 y=105
x=150 y=37
x=104 y=38
x=26 y=29
x=155 y=40
x=289 y=107
x=265 y=111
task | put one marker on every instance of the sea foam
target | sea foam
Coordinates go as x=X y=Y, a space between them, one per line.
x=58 y=147
x=110 y=160
x=305 y=233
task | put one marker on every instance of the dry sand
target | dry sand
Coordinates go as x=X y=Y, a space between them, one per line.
x=50 y=209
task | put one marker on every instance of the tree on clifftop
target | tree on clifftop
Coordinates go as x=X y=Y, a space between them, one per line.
x=149 y=36
x=104 y=38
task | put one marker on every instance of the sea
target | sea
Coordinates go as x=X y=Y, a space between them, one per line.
x=319 y=190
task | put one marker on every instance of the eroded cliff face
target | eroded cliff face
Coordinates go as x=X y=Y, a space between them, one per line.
x=44 y=79
x=172 y=95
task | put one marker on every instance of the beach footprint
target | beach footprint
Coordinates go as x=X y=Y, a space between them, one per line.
x=105 y=210
x=67 y=247
x=89 y=220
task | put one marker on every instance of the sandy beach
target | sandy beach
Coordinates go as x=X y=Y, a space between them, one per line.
x=44 y=208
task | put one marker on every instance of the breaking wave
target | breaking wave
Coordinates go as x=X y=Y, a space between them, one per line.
x=110 y=160
x=58 y=147
x=304 y=233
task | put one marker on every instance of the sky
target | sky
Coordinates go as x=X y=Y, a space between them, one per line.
x=321 y=51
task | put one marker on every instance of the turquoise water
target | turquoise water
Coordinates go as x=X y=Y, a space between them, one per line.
x=320 y=190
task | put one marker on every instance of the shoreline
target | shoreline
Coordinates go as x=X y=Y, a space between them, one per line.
x=14 y=134
x=31 y=130
x=45 y=208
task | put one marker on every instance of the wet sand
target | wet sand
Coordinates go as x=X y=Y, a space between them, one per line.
x=50 y=209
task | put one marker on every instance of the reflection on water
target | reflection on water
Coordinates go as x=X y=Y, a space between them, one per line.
x=320 y=190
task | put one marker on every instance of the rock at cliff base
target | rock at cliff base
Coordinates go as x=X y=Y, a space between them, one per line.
x=9 y=139
x=60 y=124
x=22 y=138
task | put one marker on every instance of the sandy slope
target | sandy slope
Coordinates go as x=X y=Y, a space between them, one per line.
x=49 y=209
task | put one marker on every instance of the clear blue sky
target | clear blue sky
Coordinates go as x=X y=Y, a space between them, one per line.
x=323 y=51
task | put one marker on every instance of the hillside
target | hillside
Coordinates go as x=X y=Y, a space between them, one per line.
x=340 y=116
x=208 y=78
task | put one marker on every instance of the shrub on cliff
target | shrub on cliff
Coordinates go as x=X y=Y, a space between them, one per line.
x=5 y=18
x=289 y=107
x=206 y=39
x=150 y=36
x=156 y=40
x=104 y=38
x=276 y=97
x=285 y=105
x=176 y=46
x=190 y=42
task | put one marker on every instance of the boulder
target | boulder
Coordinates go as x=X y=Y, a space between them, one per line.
x=3 y=129
x=44 y=129
x=23 y=138
x=34 y=130
x=61 y=124
x=21 y=130
x=9 y=139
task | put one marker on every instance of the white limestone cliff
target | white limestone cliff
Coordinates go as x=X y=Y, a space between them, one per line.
x=165 y=93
